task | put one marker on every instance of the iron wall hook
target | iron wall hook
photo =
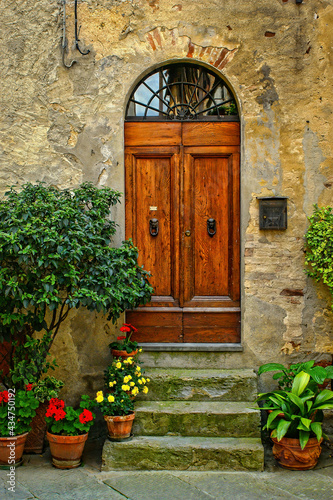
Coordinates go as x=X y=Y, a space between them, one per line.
x=77 y=31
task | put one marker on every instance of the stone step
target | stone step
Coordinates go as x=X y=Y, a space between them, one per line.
x=183 y=453
x=196 y=418
x=201 y=384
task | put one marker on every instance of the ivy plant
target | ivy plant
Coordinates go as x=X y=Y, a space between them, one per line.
x=56 y=255
x=319 y=246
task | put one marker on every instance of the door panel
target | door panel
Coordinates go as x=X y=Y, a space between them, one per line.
x=195 y=273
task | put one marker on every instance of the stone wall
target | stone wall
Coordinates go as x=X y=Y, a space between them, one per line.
x=65 y=126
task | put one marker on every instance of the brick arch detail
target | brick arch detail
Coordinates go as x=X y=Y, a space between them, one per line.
x=170 y=41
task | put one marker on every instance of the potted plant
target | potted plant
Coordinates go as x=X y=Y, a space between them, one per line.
x=295 y=419
x=127 y=375
x=124 y=347
x=68 y=431
x=118 y=411
x=17 y=409
x=44 y=390
x=31 y=362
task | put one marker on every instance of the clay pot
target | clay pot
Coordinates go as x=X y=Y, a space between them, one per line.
x=119 y=427
x=11 y=450
x=290 y=455
x=66 y=451
x=36 y=437
x=123 y=354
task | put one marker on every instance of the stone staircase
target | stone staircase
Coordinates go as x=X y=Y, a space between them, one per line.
x=192 y=419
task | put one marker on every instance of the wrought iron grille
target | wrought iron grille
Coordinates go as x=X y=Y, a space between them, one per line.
x=182 y=92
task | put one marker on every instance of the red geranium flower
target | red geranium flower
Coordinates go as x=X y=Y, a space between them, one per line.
x=4 y=397
x=125 y=329
x=130 y=326
x=28 y=387
x=121 y=338
x=85 y=416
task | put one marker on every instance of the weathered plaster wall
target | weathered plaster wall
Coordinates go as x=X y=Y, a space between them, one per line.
x=65 y=125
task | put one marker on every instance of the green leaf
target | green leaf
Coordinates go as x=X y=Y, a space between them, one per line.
x=303 y=438
x=301 y=380
x=268 y=367
x=317 y=429
x=282 y=428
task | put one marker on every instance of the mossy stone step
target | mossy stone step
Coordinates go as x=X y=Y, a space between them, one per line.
x=196 y=418
x=201 y=385
x=183 y=453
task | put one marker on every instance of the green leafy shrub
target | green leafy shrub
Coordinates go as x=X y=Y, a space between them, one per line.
x=56 y=254
x=319 y=247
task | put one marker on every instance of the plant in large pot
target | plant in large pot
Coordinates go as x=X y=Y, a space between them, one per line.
x=295 y=419
x=56 y=254
x=17 y=409
x=68 y=431
x=117 y=407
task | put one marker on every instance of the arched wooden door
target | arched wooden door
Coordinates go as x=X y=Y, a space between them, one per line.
x=182 y=212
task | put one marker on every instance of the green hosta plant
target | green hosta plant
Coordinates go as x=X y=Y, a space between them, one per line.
x=319 y=246
x=285 y=376
x=301 y=407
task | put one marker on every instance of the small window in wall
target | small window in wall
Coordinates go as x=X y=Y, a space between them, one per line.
x=182 y=92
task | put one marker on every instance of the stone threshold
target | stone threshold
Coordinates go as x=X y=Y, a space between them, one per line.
x=194 y=347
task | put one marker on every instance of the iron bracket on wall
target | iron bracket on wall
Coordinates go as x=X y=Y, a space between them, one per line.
x=64 y=39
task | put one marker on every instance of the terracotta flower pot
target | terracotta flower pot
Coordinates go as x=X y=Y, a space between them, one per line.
x=123 y=354
x=36 y=437
x=119 y=427
x=290 y=455
x=66 y=451
x=11 y=450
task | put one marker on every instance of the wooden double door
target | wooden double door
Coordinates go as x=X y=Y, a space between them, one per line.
x=182 y=212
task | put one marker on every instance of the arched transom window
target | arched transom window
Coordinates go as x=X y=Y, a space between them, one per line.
x=182 y=92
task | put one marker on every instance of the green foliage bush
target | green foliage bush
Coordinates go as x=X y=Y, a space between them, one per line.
x=319 y=246
x=56 y=254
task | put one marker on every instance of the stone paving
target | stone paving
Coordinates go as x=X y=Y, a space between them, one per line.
x=38 y=479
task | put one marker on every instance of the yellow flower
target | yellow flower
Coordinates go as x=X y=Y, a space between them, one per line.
x=140 y=350
x=129 y=361
x=99 y=393
x=125 y=387
x=135 y=391
x=143 y=380
x=138 y=368
x=125 y=361
x=111 y=384
x=118 y=364
x=148 y=379
x=111 y=398
x=145 y=390
x=132 y=384
x=99 y=397
x=140 y=381
x=126 y=379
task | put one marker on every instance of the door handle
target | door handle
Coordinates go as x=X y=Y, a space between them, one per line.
x=211 y=227
x=153 y=227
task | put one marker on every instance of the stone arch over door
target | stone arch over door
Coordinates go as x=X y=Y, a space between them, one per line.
x=182 y=162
